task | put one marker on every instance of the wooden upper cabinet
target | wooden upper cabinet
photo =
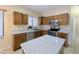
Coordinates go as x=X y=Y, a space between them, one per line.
x=56 y=17
x=17 y=18
x=45 y=21
x=40 y=20
x=63 y=19
x=20 y=19
x=50 y=17
x=25 y=19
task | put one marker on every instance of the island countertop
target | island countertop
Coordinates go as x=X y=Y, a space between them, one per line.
x=43 y=45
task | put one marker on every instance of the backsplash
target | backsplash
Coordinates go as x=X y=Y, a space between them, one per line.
x=18 y=28
x=24 y=28
x=45 y=27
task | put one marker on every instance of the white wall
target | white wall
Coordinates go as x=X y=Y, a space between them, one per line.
x=6 y=41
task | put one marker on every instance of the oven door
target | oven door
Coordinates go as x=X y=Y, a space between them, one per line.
x=52 y=33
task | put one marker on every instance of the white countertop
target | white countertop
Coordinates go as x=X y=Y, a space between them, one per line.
x=65 y=29
x=43 y=45
x=27 y=31
x=24 y=31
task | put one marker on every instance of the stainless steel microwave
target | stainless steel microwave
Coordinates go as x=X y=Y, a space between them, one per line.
x=54 y=25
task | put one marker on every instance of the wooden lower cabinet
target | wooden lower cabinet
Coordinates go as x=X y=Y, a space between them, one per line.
x=18 y=39
x=44 y=32
x=40 y=33
x=37 y=34
x=65 y=36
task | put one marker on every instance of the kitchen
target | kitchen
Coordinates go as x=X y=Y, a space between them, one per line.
x=21 y=30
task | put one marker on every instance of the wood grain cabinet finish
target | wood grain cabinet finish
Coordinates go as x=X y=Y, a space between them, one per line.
x=17 y=18
x=18 y=39
x=63 y=19
x=45 y=21
x=56 y=17
x=37 y=34
x=65 y=36
x=40 y=20
x=44 y=32
x=20 y=18
x=25 y=19
x=50 y=18
x=40 y=33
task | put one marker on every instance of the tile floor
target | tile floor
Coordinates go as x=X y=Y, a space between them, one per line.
x=73 y=49
x=9 y=51
x=68 y=50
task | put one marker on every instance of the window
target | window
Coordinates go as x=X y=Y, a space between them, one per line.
x=1 y=23
x=33 y=21
x=30 y=20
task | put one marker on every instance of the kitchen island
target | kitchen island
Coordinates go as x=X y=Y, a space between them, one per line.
x=43 y=45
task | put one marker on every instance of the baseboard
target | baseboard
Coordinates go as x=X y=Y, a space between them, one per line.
x=1 y=49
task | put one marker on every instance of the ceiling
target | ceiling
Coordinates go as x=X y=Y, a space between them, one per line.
x=44 y=8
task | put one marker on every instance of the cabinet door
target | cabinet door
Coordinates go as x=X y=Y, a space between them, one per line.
x=63 y=19
x=44 y=32
x=40 y=20
x=37 y=34
x=45 y=21
x=25 y=19
x=56 y=17
x=18 y=39
x=17 y=18
x=50 y=17
x=65 y=36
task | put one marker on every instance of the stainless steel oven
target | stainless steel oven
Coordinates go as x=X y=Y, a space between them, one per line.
x=54 y=27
